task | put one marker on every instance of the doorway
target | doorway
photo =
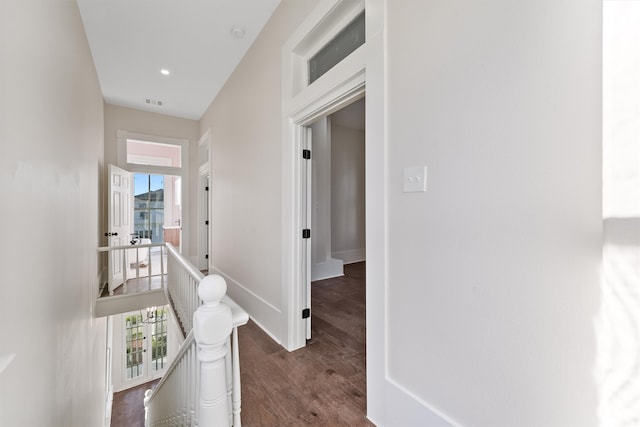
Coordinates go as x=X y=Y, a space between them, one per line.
x=337 y=200
x=157 y=208
x=145 y=344
x=338 y=188
x=159 y=167
x=302 y=103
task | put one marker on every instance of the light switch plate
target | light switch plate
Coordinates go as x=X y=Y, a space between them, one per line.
x=415 y=179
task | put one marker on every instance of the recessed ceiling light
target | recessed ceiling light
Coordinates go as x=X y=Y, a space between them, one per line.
x=237 y=31
x=165 y=72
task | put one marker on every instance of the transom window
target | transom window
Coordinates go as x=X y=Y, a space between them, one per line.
x=153 y=153
x=345 y=42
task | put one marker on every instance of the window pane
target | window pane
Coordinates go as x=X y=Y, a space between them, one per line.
x=153 y=153
x=348 y=40
x=135 y=345
x=149 y=206
x=159 y=340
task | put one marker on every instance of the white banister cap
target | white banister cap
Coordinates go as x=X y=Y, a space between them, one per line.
x=212 y=288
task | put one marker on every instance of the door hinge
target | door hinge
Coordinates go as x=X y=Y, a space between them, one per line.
x=110 y=234
x=306 y=313
x=206 y=223
x=306 y=154
x=206 y=188
x=306 y=233
x=206 y=256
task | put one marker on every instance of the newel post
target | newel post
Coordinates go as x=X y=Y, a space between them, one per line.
x=212 y=326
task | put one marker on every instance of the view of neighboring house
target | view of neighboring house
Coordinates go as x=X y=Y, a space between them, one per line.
x=148 y=215
x=489 y=301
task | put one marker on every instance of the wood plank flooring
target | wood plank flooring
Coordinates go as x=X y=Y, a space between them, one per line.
x=323 y=384
x=128 y=406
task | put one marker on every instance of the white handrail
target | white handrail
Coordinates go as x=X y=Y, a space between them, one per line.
x=182 y=286
x=173 y=401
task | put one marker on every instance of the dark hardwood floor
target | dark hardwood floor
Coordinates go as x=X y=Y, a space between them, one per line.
x=128 y=406
x=323 y=384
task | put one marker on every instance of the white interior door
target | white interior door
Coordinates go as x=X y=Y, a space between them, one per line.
x=119 y=220
x=203 y=222
x=306 y=220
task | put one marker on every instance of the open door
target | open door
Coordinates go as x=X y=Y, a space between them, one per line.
x=306 y=183
x=119 y=223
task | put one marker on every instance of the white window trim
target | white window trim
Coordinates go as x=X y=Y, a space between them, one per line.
x=123 y=136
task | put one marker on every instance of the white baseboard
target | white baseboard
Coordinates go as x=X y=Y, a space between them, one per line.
x=350 y=256
x=403 y=408
x=263 y=313
x=327 y=269
x=108 y=407
x=266 y=331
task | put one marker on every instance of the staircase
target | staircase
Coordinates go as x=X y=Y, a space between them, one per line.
x=202 y=385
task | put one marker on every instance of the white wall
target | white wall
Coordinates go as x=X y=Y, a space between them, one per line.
x=347 y=194
x=618 y=322
x=484 y=290
x=323 y=266
x=153 y=124
x=245 y=172
x=51 y=138
x=493 y=273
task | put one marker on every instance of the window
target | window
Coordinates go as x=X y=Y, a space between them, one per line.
x=159 y=339
x=148 y=206
x=345 y=42
x=153 y=153
x=135 y=345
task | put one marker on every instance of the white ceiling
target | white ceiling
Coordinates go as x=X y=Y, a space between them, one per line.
x=131 y=40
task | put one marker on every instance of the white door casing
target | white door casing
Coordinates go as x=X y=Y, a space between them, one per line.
x=302 y=104
x=119 y=222
x=300 y=101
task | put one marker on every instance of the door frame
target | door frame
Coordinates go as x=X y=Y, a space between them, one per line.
x=204 y=201
x=326 y=95
x=299 y=292
x=148 y=373
x=302 y=104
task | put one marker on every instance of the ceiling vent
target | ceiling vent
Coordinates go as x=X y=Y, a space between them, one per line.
x=153 y=102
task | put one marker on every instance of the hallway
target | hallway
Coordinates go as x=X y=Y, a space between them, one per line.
x=321 y=384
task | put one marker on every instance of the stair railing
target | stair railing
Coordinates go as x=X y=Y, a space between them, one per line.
x=136 y=262
x=202 y=385
x=182 y=287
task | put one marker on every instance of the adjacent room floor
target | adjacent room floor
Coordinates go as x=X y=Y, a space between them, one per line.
x=321 y=384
